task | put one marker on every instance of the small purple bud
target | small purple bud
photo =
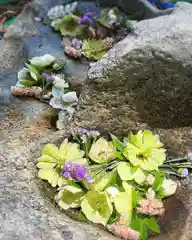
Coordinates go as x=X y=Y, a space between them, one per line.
x=185 y=173
x=68 y=166
x=67 y=175
x=89 y=180
x=48 y=76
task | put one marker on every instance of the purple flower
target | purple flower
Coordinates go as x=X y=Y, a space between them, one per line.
x=79 y=172
x=189 y=155
x=89 y=180
x=87 y=18
x=81 y=131
x=89 y=14
x=184 y=173
x=48 y=76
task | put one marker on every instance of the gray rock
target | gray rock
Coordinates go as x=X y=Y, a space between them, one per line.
x=145 y=81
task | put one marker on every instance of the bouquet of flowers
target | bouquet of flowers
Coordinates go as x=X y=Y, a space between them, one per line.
x=119 y=184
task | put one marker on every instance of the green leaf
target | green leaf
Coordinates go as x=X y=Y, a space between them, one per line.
x=97 y=207
x=117 y=143
x=33 y=71
x=135 y=197
x=139 y=225
x=159 y=177
x=123 y=203
x=28 y=83
x=69 y=197
x=152 y=224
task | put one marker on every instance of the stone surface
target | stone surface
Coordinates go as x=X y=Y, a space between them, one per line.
x=26 y=212
x=145 y=80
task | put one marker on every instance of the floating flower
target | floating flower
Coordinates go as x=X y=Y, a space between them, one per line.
x=86 y=19
x=151 y=207
x=73 y=52
x=43 y=61
x=76 y=43
x=145 y=150
x=123 y=231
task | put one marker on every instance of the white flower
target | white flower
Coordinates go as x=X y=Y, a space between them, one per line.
x=74 y=6
x=60 y=82
x=56 y=12
x=43 y=61
x=70 y=97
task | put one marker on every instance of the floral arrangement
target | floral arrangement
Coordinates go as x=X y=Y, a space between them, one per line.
x=85 y=23
x=118 y=184
x=40 y=79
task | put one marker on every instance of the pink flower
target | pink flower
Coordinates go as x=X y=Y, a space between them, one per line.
x=123 y=231
x=151 y=207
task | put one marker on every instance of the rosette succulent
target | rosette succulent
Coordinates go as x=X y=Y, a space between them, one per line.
x=145 y=150
x=94 y=49
x=69 y=26
x=52 y=160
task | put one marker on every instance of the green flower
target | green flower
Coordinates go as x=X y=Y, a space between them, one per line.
x=145 y=150
x=97 y=207
x=127 y=173
x=102 y=151
x=123 y=202
x=69 y=196
x=69 y=26
x=52 y=160
x=94 y=49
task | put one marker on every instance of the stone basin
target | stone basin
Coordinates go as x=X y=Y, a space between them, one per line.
x=25 y=206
